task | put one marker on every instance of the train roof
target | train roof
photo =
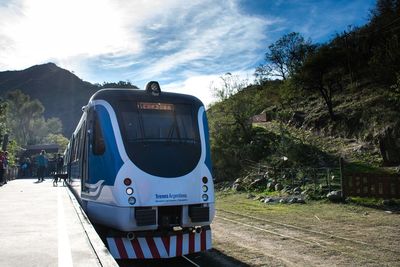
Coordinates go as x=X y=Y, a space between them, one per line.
x=116 y=94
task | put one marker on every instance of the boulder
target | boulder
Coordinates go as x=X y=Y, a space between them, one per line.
x=283 y=201
x=237 y=187
x=268 y=200
x=292 y=200
x=297 y=191
x=335 y=196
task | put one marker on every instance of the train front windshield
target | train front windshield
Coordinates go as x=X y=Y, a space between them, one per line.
x=160 y=138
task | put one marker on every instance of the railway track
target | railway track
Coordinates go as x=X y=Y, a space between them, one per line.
x=319 y=233
x=325 y=241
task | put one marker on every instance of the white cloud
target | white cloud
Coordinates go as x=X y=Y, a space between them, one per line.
x=181 y=32
x=215 y=38
x=186 y=45
x=202 y=86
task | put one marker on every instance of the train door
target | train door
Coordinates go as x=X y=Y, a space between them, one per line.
x=95 y=147
x=84 y=157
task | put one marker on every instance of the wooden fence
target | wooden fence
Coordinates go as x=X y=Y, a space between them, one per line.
x=371 y=185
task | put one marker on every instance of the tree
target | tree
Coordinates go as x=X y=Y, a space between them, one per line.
x=25 y=119
x=228 y=86
x=322 y=72
x=285 y=57
x=58 y=139
x=120 y=84
x=231 y=130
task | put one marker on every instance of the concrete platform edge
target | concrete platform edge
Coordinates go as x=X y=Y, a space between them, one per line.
x=103 y=255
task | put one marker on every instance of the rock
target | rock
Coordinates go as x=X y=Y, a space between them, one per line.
x=297 y=191
x=268 y=200
x=278 y=187
x=292 y=200
x=250 y=196
x=283 y=201
x=335 y=196
x=237 y=187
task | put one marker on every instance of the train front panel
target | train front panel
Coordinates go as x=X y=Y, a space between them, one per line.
x=149 y=163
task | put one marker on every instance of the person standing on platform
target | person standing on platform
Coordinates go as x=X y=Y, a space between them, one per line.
x=2 y=170
x=5 y=166
x=42 y=165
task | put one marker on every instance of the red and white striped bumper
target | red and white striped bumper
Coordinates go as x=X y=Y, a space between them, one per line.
x=159 y=247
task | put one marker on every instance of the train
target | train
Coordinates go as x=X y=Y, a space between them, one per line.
x=139 y=164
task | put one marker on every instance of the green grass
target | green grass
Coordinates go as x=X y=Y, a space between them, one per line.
x=310 y=214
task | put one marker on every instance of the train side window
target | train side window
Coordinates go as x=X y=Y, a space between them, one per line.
x=98 y=144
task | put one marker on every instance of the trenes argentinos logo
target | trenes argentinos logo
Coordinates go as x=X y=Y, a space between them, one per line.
x=170 y=197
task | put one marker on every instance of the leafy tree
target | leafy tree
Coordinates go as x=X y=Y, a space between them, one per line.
x=58 y=139
x=233 y=139
x=120 y=84
x=228 y=86
x=25 y=119
x=285 y=56
x=322 y=72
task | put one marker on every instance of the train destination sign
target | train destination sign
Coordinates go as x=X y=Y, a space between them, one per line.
x=155 y=106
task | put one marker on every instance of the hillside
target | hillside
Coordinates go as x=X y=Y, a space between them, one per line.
x=61 y=92
x=365 y=131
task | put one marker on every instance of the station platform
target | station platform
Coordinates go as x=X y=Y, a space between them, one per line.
x=43 y=225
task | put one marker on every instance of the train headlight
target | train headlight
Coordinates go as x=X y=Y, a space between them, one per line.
x=205 y=180
x=127 y=181
x=205 y=188
x=205 y=197
x=129 y=190
x=132 y=200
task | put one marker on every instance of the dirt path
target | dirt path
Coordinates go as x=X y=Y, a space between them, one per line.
x=258 y=242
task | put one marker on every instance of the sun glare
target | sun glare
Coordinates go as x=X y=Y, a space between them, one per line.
x=69 y=28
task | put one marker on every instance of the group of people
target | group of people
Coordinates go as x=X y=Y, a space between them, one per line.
x=40 y=166
x=44 y=167
x=3 y=167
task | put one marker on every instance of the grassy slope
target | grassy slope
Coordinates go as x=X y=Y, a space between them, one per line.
x=362 y=116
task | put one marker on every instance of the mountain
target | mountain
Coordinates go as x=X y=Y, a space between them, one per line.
x=61 y=92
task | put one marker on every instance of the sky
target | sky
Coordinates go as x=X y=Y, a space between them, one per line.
x=185 y=45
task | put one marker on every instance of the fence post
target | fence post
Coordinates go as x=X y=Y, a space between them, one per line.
x=328 y=179
x=341 y=176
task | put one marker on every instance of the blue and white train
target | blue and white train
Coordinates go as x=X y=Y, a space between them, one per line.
x=139 y=163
